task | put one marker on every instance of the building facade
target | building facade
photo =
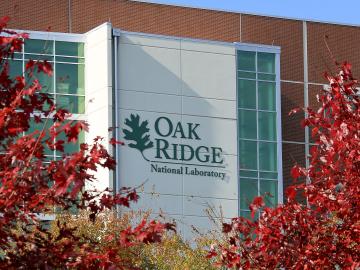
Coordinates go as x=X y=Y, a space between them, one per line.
x=200 y=97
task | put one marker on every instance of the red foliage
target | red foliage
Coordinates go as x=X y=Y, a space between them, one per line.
x=325 y=233
x=30 y=186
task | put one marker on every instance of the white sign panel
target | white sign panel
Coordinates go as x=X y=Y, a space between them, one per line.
x=177 y=116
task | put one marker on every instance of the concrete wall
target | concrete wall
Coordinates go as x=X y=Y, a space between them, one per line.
x=98 y=85
x=187 y=82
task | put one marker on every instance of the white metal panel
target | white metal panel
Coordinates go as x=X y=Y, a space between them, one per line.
x=208 y=75
x=219 y=207
x=148 y=40
x=151 y=102
x=214 y=132
x=135 y=171
x=98 y=92
x=209 y=107
x=216 y=48
x=215 y=187
x=159 y=204
x=149 y=69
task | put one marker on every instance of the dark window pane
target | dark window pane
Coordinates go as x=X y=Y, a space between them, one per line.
x=246 y=60
x=248 y=155
x=246 y=75
x=70 y=147
x=266 y=62
x=266 y=77
x=267 y=156
x=15 y=68
x=247 y=124
x=248 y=173
x=246 y=94
x=248 y=191
x=269 y=189
x=39 y=57
x=70 y=79
x=267 y=96
x=69 y=48
x=42 y=127
x=46 y=105
x=74 y=104
x=69 y=59
x=247 y=214
x=39 y=46
x=46 y=81
x=268 y=175
x=267 y=126
x=18 y=55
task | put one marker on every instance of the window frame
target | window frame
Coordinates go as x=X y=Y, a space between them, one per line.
x=53 y=36
x=262 y=49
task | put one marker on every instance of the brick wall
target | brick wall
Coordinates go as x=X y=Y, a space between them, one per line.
x=273 y=31
x=127 y=15
x=344 y=44
x=36 y=15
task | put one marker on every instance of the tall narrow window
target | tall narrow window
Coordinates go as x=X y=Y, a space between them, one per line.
x=258 y=116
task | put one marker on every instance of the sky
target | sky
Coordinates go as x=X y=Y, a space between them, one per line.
x=337 y=11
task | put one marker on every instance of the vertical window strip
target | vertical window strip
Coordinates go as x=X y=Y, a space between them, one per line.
x=262 y=187
x=54 y=91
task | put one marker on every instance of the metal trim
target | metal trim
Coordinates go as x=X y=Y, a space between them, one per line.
x=279 y=131
x=56 y=36
x=306 y=96
x=236 y=45
x=116 y=123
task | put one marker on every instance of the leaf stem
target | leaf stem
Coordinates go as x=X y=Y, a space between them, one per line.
x=142 y=153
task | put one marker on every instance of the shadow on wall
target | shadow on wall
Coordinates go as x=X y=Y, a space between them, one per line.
x=191 y=87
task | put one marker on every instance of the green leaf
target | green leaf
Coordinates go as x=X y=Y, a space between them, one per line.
x=137 y=133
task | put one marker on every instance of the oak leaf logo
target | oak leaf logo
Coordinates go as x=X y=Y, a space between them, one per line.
x=138 y=134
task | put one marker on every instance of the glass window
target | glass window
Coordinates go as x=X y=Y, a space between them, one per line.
x=35 y=57
x=246 y=75
x=70 y=79
x=248 y=155
x=69 y=59
x=74 y=104
x=39 y=46
x=68 y=83
x=268 y=175
x=47 y=82
x=267 y=126
x=247 y=214
x=44 y=127
x=69 y=48
x=257 y=127
x=246 y=94
x=15 y=68
x=18 y=55
x=269 y=189
x=67 y=88
x=268 y=156
x=266 y=62
x=266 y=77
x=247 y=124
x=70 y=147
x=246 y=60
x=248 y=191
x=267 y=96
x=39 y=126
x=47 y=106
x=250 y=174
